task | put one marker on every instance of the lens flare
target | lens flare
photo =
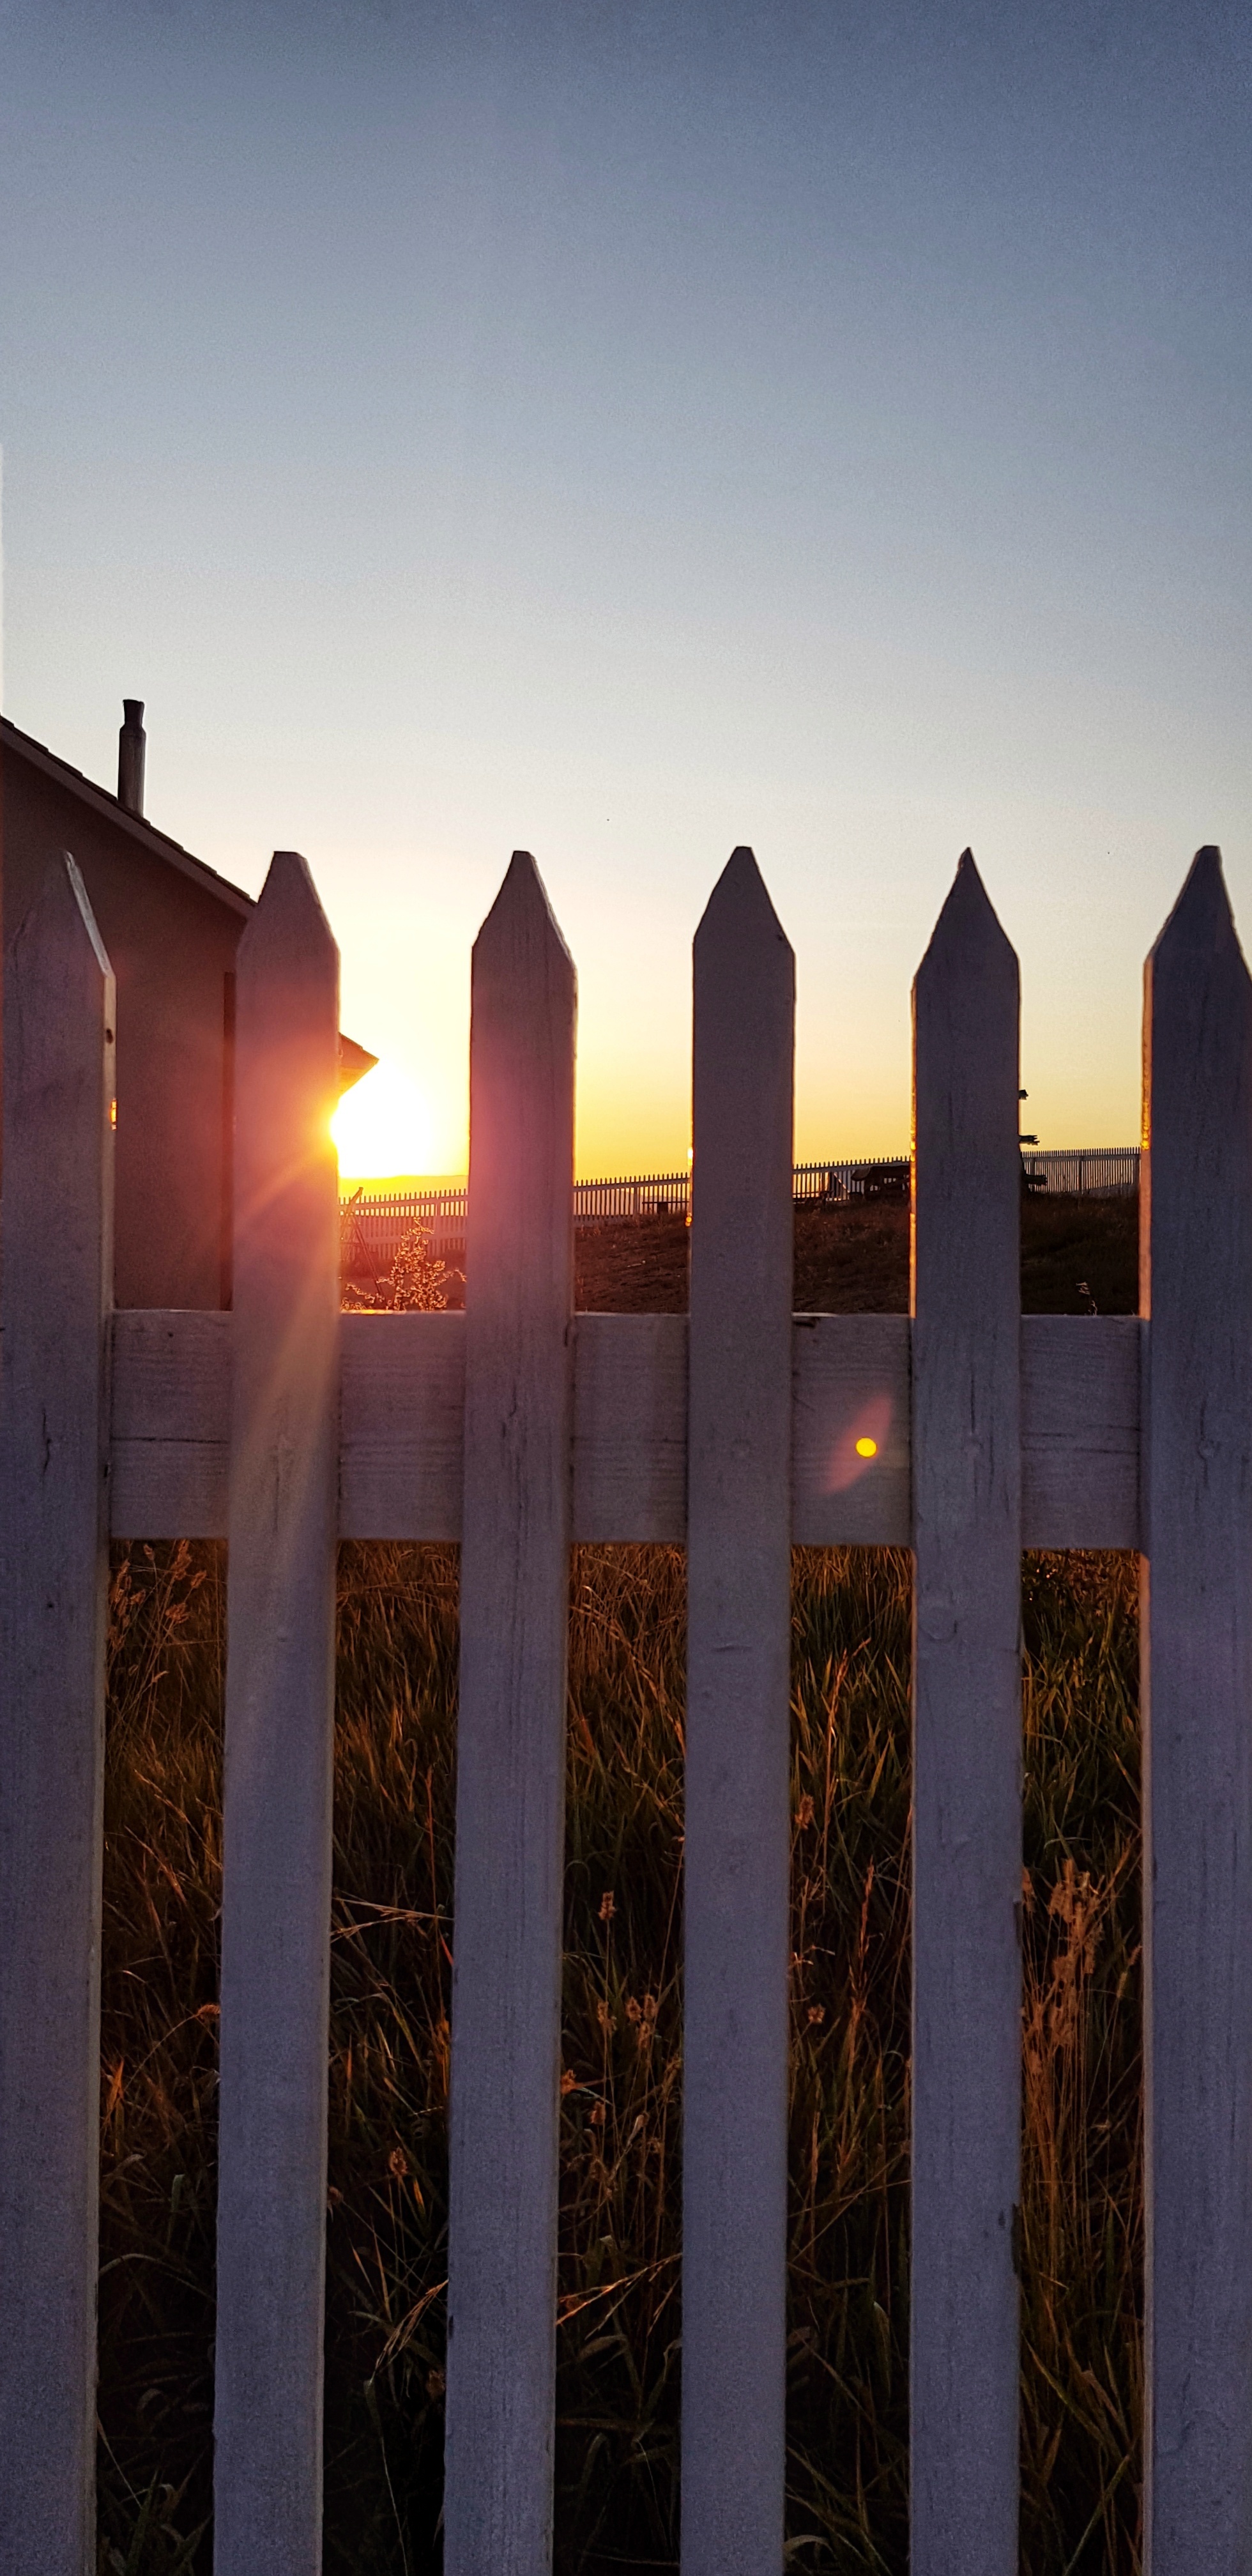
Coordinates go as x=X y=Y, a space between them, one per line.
x=383 y=1127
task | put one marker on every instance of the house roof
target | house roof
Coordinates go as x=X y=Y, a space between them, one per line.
x=354 y=1060
x=158 y=844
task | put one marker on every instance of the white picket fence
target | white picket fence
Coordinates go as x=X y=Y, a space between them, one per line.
x=376 y=1221
x=966 y=1432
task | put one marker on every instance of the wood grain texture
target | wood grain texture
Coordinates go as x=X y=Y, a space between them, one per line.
x=967 y=1842
x=510 y=1805
x=170 y=1452
x=737 y=1821
x=403 y=1394
x=630 y=1426
x=1196 y=1219
x=402 y=1426
x=1080 y=1396
x=56 y=1275
x=271 y=2219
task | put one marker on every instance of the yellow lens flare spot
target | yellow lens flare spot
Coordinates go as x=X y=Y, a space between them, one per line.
x=867 y=1448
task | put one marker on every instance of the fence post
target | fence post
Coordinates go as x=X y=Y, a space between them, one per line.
x=57 y=1284
x=510 y=1797
x=737 y=1844
x=967 y=1867
x=271 y=2215
x=1196 y=1282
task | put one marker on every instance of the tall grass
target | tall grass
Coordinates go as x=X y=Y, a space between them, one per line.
x=619 y=2333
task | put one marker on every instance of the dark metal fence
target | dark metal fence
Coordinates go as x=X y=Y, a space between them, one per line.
x=375 y=1222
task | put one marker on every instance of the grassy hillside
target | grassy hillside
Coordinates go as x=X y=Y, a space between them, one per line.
x=1076 y=1253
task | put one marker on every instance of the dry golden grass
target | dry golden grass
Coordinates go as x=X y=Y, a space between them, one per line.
x=619 y=2351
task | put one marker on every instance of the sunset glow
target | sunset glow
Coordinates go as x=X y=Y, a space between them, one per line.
x=383 y=1128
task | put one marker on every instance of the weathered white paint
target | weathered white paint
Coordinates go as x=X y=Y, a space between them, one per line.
x=510 y=1802
x=403 y=1395
x=56 y=1275
x=1196 y=1276
x=1080 y=1430
x=736 y=1849
x=169 y=1473
x=517 y=1425
x=967 y=1745
x=279 y=1739
x=630 y=1426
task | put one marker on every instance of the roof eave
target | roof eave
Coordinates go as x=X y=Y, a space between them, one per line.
x=145 y=835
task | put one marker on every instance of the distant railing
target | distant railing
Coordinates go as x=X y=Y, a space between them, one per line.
x=1085 y=1171
x=375 y=1222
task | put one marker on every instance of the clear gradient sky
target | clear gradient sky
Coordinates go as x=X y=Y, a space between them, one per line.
x=628 y=429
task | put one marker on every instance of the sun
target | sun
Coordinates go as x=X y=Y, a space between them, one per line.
x=383 y=1127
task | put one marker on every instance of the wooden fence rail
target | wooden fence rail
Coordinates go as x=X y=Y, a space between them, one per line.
x=964 y=1431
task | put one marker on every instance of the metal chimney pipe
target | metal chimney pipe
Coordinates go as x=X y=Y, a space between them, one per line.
x=131 y=745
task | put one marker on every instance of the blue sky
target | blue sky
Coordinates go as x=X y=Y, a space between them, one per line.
x=628 y=430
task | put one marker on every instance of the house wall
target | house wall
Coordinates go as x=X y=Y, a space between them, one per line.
x=172 y=946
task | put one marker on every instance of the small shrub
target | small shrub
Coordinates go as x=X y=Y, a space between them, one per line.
x=415 y=1283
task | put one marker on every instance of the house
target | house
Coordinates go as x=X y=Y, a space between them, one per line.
x=171 y=927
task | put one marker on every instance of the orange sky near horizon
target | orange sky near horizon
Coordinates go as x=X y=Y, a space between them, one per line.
x=626 y=432
x=856 y=946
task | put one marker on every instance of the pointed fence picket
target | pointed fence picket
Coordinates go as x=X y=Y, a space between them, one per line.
x=967 y=1432
x=1196 y=1286
x=55 y=1293
x=282 y=1526
x=510 y=1797
x=967 y=1838
x=737 y=1838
